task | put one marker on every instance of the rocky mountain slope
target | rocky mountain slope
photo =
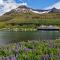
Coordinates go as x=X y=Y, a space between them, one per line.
x=24 y=14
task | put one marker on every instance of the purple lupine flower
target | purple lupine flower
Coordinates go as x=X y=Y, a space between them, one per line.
x=27 y=49
x=16 y=50
x=3 y=58
x=44 y=57
x=16 y=53
x=17 y=46
x=7 y=58
x=59 y=55
x=14 y=58
x=11 y=57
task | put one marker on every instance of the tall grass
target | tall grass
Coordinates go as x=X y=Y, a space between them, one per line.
x=32 y=50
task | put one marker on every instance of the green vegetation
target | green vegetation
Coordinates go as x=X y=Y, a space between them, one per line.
x=29 y=19
x=32 y=50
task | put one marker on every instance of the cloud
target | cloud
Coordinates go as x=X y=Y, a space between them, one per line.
x=1 y=1
x=8 y=5
x=56 y=5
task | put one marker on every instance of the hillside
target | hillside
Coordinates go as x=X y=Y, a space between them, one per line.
x=24 y=14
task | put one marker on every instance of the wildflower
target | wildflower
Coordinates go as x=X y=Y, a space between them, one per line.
x=11 y=57
x=3 y=58
x=27 y=49
x=14 y=58
x=7 y=58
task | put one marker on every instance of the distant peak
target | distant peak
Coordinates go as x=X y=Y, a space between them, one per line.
x=54 y=8
x=24 y=6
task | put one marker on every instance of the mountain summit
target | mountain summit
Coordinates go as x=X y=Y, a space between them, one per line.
x=25 y=14
x=26 y=9
x=55 y=10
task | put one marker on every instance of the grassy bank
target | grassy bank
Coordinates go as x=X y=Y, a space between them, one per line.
x=24 y=19
x=31 y=25
x=32 y=50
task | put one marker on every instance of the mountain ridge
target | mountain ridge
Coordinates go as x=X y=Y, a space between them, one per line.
x=25 y=9
x=24 y=14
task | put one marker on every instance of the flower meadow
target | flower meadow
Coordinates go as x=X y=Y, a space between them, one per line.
x=31 y=50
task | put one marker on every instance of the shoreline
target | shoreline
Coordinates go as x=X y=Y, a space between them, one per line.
x=41 y=27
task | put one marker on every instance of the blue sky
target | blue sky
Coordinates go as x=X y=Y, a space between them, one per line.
x=39 y=4
x=8 y=5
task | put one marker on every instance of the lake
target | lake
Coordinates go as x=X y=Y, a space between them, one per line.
x=12 y=37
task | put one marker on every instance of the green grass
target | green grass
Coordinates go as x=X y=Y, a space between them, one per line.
x=41 y=19
x=33 y=50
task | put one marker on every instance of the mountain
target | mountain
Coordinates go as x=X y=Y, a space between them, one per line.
x=55 y=10
x=26 y=9
x=18 y=10
x=25 y=14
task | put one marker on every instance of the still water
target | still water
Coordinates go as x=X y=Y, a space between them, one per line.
x=12 y=37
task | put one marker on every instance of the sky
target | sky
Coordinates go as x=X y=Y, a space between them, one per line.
x=7 y=5
x=39 y=4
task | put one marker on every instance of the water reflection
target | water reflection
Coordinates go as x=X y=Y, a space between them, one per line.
x=11 y=37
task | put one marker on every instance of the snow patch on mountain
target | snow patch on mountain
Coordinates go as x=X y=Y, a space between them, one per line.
x=40 y=12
